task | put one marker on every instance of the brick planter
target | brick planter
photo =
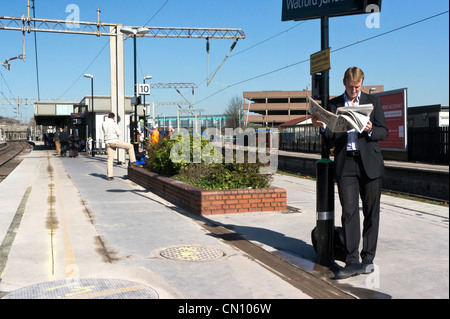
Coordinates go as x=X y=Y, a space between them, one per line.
x=206 y=202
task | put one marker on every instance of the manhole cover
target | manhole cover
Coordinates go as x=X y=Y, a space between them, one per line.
x=86 y=288
x=191 y=253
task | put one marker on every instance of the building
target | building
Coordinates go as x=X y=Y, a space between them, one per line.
x=11 y=132
x=273 y=108
x=73 y=115
x=428 y=116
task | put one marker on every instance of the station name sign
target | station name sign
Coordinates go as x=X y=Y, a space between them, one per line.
x=313 y=9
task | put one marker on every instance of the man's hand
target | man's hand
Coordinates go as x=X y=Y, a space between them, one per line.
x=368 y=127
x=316 y=122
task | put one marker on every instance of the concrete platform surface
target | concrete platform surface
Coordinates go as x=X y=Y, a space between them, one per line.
x=67 y=232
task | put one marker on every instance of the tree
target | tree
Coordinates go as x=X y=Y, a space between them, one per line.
x=234 y=112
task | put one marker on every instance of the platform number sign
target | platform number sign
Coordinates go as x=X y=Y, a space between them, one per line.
x=144 y=89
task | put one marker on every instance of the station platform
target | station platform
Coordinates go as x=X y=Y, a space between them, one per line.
x=67 y=232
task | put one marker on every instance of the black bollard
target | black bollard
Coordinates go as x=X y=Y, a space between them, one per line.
x=325 y=211
x=93 y=149
x=325 y=170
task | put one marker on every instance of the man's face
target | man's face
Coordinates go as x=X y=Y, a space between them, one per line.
x=352 y=88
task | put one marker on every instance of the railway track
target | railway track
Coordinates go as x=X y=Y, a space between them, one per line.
x=11 y=155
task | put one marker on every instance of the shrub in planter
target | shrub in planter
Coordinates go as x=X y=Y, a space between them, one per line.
x=160 y=154
x=224 y=176
x=159 y=158
x=211 y=173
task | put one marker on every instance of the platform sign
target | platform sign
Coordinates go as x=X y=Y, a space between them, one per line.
x=320 y=61
x=77 y=115
x=143 y=89
x=313 y=9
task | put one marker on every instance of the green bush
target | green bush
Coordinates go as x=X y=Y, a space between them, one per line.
x=224 y=176
x=159 y=158
x=207 y=174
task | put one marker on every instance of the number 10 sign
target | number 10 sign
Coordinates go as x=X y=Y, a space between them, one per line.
x=143 y=89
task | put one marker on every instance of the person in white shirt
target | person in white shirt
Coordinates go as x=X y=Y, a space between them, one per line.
x=111 y=133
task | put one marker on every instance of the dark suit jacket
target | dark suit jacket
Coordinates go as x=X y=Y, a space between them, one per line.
x=370 y=150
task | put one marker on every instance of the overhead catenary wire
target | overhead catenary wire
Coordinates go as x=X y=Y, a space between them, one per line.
x=1 y=92
x=9 y=89
x=242 y=51
x=156 y=13
x=101 y=50
x=85 y=70
x=265 y=40
x=332 y=51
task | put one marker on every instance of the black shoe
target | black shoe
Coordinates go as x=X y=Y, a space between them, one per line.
x=353 y=269
x=367 y=267
x=110 y=178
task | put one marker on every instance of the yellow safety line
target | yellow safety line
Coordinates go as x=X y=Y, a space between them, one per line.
x=69 y=256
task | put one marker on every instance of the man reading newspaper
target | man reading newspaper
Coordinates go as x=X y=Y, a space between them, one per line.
x=359 y=169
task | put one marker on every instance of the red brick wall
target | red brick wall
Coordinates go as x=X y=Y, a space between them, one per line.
x=205 y=202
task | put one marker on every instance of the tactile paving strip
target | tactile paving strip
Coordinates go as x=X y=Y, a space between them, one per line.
x=87 y=288
x=191 y=253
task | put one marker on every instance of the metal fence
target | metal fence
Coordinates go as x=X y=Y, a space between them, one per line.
x=425 y=144
x=300 y=138
x=428 y=144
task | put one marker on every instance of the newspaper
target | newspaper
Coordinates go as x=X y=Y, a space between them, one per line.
x=345 y=119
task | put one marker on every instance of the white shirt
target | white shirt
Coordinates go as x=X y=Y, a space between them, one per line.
x=111 y=131
x=352 y=135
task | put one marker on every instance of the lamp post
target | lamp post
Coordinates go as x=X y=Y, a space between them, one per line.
x=159 y=121
x=90 y=76
x=148 y=77
x=134 y=31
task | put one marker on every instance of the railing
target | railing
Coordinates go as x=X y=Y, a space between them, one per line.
x=425 y=144
x=428 y=144
x=300 y=138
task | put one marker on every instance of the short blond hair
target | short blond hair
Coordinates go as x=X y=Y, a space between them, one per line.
x=354 y=74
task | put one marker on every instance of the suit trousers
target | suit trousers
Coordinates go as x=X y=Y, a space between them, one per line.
x=111 y=150
x=352 y=184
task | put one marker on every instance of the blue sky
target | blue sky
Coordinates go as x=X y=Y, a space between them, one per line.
x=274 y=56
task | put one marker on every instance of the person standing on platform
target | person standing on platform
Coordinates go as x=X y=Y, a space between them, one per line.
x=64 y=140
x=155 y=136
x=169 y=130
x=74 y=144
x=359 y=169
x=57 y=142
x=111 y=133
